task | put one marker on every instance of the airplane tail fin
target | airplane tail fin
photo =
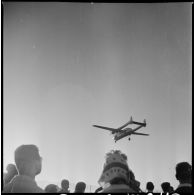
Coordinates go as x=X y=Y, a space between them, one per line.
x=131 y=120
x=145 y=122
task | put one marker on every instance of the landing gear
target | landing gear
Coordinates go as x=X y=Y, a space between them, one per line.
x=129 y=139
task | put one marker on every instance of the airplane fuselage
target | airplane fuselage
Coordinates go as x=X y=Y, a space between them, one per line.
x=120 y=135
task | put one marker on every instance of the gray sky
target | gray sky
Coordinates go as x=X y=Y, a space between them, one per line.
x=68 y=66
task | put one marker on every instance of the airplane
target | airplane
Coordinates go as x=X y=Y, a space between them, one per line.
x=122 y=132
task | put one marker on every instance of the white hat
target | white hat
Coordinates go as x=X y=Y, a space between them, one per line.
x=115 y=167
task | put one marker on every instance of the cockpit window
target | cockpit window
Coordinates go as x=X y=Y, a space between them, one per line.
x=118 y=134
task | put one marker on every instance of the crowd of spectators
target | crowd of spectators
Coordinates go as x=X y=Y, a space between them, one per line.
x=116 y=176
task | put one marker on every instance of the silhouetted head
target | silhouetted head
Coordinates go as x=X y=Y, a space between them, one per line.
x=11 y=169
x=150 y=186
x=184 y=172
x=171 y=189
x=28 y=160
x=51 y=188
x=165 y=187
x=11 y=172
x=65 y=184
x=80 y=187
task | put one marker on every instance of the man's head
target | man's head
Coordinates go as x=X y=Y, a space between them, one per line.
x=11 y=169
x=80 y=187
x=165 y=187
x=64 y=184
x=28 y=160
x=183 y=172
x=171 y=189
x=51 y=188
x=150 y=186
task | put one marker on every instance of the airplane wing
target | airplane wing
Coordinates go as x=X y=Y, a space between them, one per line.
x=107 y=128
x=139 y=133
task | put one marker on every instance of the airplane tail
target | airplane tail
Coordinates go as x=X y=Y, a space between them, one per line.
x=137 y=123
x=131 y=120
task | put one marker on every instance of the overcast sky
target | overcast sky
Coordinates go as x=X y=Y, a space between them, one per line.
x=68 y=66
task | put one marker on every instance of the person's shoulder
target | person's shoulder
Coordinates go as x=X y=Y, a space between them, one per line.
x=39 y=190
x=36 y=189
x=184 y=189
x=7 y=178
x=25 y=184
x=27 y=189
x=7 y=188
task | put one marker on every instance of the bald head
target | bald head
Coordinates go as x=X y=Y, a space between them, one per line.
x=27 y=158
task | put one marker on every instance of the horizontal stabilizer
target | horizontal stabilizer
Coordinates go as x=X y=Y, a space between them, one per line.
x=138 y=123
